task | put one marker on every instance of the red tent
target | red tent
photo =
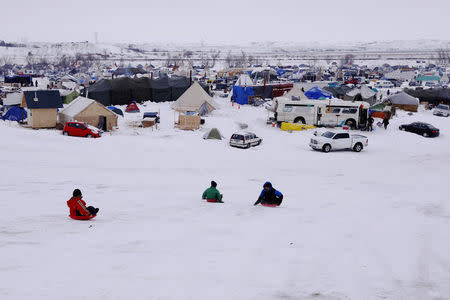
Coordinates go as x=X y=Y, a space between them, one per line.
x=132 y=108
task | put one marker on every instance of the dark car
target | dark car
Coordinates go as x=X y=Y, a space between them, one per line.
x=425 y=129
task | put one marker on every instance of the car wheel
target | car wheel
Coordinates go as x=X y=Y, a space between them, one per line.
x=258 y=143
x=299 y=120
x=350 y=124
x=89 y=136
x=326 y=148
x=65 y=133
x=425 y=134
x=358 y=147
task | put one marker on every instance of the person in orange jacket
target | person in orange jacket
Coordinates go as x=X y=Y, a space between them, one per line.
x=78 y=206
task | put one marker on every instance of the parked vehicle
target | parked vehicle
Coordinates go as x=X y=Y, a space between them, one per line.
x=331 y=112
x=441 y=110
x=329 y=140
x=424 y=129
x=245 y=140
x=81 y=129
x=384 y=84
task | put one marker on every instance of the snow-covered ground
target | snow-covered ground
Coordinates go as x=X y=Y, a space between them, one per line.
x=369 y=225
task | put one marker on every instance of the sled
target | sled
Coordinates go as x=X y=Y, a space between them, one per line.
x=213 y=201
x=82 y=218
x=269 y=205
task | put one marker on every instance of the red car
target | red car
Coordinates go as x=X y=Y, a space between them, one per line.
x=81 y=129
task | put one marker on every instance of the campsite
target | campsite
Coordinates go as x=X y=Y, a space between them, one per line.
x=233 y=150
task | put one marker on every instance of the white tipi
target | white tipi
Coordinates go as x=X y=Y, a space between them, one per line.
x=196 y=100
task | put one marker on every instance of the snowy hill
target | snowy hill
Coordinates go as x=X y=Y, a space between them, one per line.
x=366 y=225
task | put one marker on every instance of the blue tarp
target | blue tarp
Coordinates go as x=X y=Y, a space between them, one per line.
x=240 y=94
x=15 y=114
x=316 y=93
x=116 y=110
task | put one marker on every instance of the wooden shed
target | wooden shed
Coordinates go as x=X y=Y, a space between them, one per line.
x=89 y=111
x=42 y=106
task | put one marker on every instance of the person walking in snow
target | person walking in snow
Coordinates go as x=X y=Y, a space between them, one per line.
x=212 y=194
x=78 y=206
x=386 y=122
x=269 y=196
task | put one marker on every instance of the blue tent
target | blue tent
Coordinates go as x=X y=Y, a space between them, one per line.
x=316 y=93
x=15 y=114
x=116 y=110
x=240 y=94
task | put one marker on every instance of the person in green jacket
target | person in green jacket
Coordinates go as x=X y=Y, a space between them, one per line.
x=212 y=194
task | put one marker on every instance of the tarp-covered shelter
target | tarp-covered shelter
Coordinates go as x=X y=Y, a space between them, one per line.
x=295 y=93
x=362 y=93
x=15 y=113
x=337 y=91
x=316 y=93
x=116 y=110
x=12 y=99
x=121 y=91
x=213 y=134
x=434 y=96
x=196 y=100
x=69 y=96
x=42 y=107
x=89 y=111
x=403 y=101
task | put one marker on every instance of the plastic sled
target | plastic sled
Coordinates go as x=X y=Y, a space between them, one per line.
x=82 y=218
x=212 y=200
x=270 y=205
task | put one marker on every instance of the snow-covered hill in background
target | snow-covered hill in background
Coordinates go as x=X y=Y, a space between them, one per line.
x=264 y=52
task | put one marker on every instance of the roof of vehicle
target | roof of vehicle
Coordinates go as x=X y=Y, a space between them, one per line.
x=332 y=101
x=243 y=132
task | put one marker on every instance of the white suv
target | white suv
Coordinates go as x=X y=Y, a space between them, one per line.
x=244 y=140
x=441 y=110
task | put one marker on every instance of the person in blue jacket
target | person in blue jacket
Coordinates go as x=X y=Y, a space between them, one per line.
x=269 y=196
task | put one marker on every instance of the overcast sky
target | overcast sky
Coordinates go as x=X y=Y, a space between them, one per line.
x=224 y=21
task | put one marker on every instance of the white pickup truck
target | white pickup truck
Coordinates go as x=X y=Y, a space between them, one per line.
x=329 y=140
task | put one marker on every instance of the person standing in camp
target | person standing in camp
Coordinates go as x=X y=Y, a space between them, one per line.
x=370 y=121
x=269 y=196
x=386 y=122
x=78 y=206
x=212 y=194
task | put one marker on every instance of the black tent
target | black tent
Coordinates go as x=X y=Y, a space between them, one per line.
x=100 y=91
x=337 y=91
x=434 y=96
x=121 y=91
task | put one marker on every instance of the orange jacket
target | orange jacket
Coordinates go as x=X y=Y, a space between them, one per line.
x=77 y=207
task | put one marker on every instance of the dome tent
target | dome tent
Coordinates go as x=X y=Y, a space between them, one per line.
x=316 y=93
x=213 y=134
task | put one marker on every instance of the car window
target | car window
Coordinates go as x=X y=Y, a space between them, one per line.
x=328 y=134
x=71 y=125
x=336 y=110
x=349 y=110
x=81 y=126
x=341 y=136
x=237 y=137
x=287 y=109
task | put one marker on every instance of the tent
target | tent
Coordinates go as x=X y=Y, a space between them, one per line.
x=69 y=97
x=244 y=80
x=116 y=110
x=132 y=108
x=89 y=111
x=196 y=100
x=403 y=101
x=337 y=91
x=15 y=114
x=241 y=94
x=123 y=90
x=295 y=93
x=363 y=93
x=435 y=96
x=316 y=93
x=12 y=99
x=213 y=134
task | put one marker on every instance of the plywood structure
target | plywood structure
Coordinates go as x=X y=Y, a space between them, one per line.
x=42 y=118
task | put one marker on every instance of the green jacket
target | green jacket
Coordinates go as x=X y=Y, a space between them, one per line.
x=212 y=193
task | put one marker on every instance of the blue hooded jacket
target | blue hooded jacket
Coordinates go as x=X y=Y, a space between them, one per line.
x=271 y=196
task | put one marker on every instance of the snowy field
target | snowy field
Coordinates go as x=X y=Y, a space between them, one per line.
x=369 y=225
